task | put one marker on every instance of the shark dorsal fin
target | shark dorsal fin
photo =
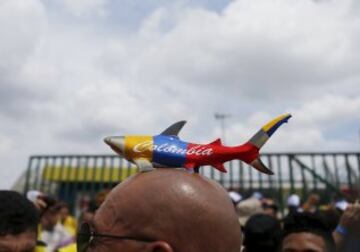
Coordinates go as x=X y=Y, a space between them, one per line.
x=174 y=129
x=216 y=142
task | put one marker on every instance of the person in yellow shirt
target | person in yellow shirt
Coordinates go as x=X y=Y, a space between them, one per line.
x=68 y=221
x=69 y=248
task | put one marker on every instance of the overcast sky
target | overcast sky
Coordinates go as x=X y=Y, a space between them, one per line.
x=75 y=71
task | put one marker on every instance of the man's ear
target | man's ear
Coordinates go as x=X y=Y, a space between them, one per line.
x=159 y=246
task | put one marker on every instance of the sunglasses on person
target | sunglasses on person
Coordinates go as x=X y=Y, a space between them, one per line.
x=85 y=236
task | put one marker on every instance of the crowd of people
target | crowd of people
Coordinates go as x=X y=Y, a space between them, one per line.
x=38 y=222
x=168 y=210
x=307 y=226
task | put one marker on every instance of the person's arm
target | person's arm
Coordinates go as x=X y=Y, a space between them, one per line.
x=65 y=238
x=349 y=222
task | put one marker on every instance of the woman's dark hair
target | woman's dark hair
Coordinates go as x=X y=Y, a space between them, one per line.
x=17 y=214
x=262 y=233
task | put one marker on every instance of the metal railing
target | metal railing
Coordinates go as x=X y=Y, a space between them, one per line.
x=68 y=176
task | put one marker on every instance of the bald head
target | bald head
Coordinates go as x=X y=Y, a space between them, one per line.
x=187 y=211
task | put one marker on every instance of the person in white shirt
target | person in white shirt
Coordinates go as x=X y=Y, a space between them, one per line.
x=54 y=233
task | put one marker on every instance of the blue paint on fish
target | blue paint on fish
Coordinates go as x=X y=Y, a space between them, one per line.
x=169 y=150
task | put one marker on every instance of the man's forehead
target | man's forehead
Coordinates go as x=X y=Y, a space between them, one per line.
x=106 y=216
x=304 y=241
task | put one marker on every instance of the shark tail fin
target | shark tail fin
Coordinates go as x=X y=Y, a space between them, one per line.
x=258 y=140
x=263 y=135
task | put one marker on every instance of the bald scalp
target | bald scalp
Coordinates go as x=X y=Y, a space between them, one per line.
x=189 y=211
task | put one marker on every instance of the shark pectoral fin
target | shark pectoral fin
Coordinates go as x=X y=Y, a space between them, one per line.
x=144 y=164
x=220 y=167
x=259 y=165
x=216 y=142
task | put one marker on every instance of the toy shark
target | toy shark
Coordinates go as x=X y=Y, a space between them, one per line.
x=168 y=150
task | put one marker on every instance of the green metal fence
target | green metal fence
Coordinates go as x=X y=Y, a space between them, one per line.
x=70 y=177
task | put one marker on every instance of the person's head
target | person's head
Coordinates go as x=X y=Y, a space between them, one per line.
x=87 y=215
x=293 y=203
x=64 y=211
x=235 y=197
x=269 y=207
x=313 y=199
x=311 y=203
x=18 y=223
x=100 y=197
x=331 y=216
x=307 y=232
x=262 y=233
x=165 y=210
x=51 y=217
x=247 y=208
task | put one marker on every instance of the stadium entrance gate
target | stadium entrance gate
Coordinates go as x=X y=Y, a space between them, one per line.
x=73 y=177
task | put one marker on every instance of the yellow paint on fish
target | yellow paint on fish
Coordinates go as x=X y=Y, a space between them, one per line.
x=273 y=122
x=138 y=147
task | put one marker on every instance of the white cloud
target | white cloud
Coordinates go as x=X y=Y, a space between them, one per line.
x=86 y=8
x=272 y=44
x=5 y=145
x=65 y=84
x=306 y=130
x=21 y=23
x=329 y=109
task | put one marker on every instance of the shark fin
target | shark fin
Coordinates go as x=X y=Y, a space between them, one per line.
x=261 y=137
x=220 y=167
x=259 y=165
x=216 y=142
x=174 y=129
x=144 y=164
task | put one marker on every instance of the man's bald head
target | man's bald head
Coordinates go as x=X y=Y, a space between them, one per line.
x=187 y=211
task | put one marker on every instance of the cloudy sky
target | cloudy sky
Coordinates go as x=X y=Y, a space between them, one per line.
x=75 y=71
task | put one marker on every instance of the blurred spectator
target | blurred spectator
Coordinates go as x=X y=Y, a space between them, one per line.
x=35 y=197
x=269 y=207
x=306 y=232
x=248 y=208
x=341 y=205
x=18 y=223
x=87 y=216
x=262 y=233
x=350 y=194
x=235 y=197
x=331 y=216
x=311 y=205
x=100 y=198
x=257 y=195
x=89 y=209
x=52 y=232
x=293 y=204
x=41 y=200
x=70 y=248
x=68 y=221
x=347 y=233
